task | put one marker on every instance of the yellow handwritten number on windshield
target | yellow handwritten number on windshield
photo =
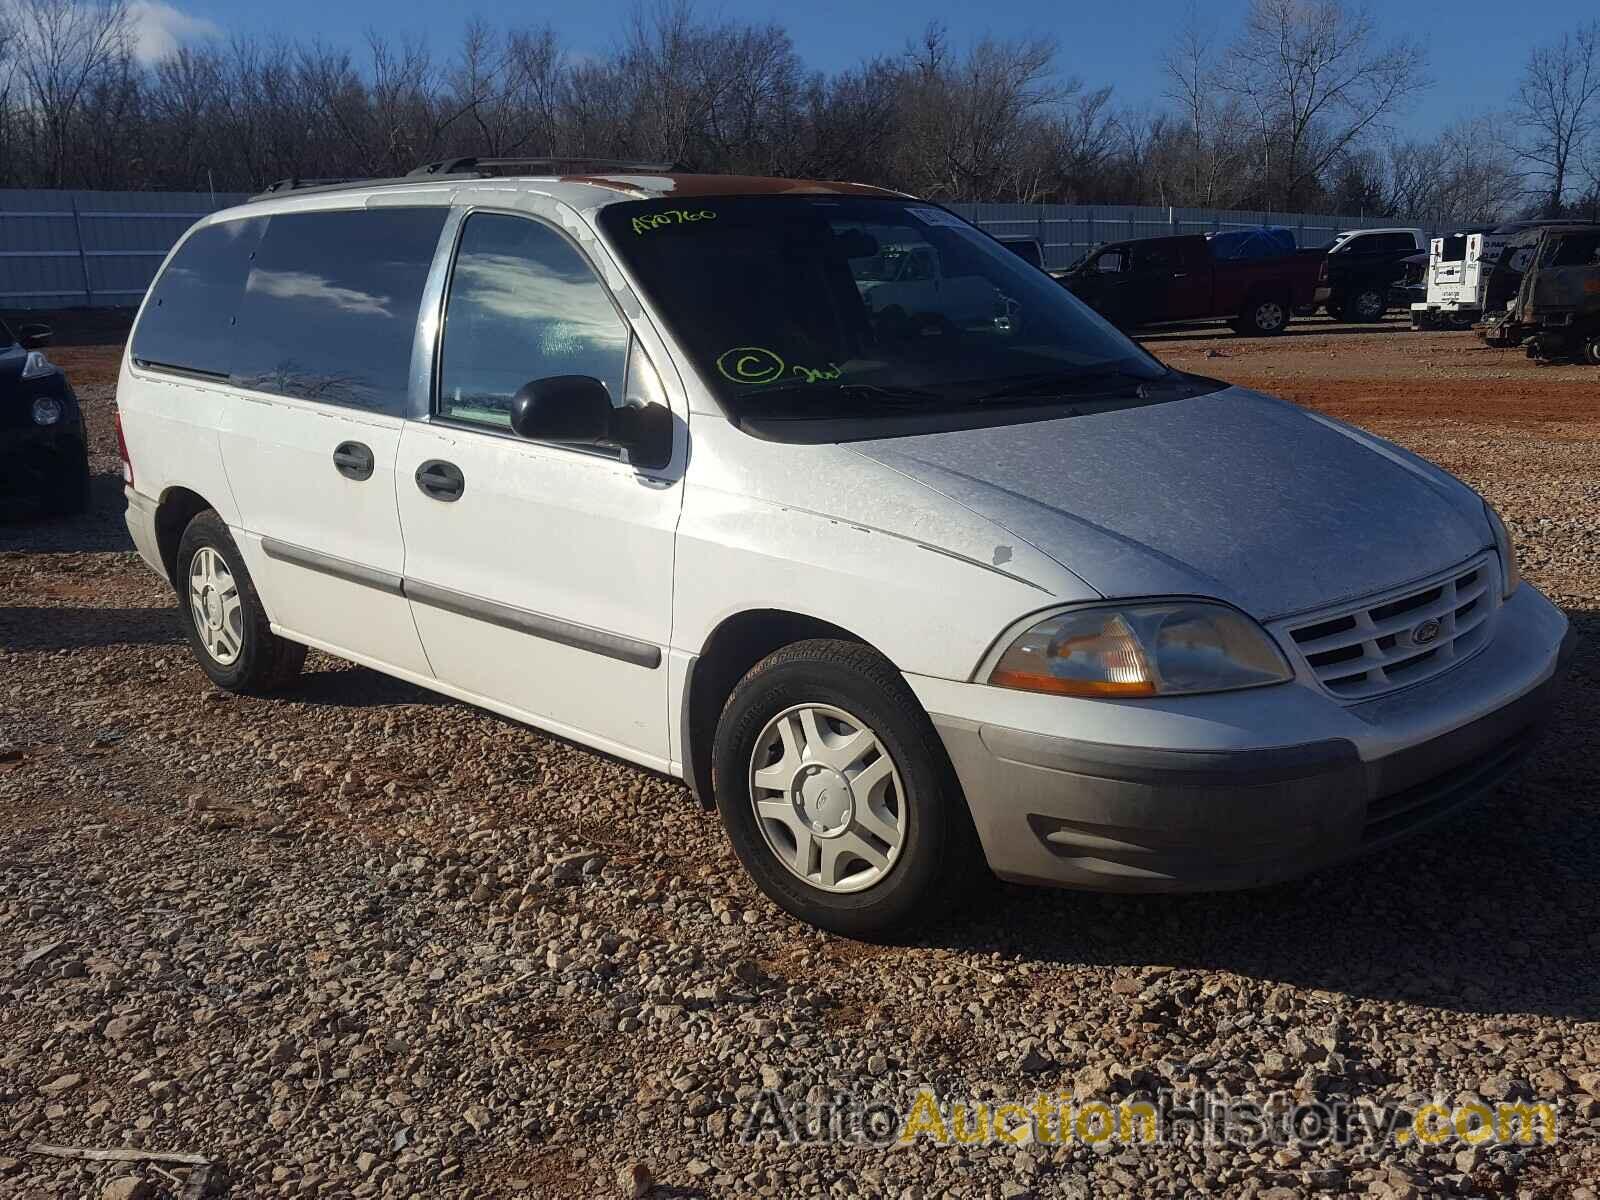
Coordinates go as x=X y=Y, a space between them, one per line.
x=672 y=216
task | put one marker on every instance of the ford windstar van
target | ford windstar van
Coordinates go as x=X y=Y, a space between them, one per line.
x=823 y=500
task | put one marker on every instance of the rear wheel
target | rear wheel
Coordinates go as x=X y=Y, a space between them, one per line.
x=836 y=792
x=1266 y=316
x=1591 y=351
x=1366 y=306
x=227 y=627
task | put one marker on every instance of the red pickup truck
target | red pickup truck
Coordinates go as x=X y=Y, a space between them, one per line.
x=1255 y=280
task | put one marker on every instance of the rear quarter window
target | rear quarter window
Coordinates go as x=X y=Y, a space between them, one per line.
x=317 y=306
x=188 y=321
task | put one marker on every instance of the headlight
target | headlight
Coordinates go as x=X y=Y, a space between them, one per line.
x=37 y=366
x=46 y=410
x=1508 y=554
x=1158 y=649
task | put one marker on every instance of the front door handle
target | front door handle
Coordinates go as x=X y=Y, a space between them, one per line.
x=441 y=480
x=354 y=460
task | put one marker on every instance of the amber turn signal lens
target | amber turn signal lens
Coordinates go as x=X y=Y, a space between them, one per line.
x=1097 y=688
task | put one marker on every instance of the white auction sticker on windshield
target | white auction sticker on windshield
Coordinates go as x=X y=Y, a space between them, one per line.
x=937 y=216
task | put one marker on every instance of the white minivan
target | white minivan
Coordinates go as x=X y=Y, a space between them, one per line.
x=896 y=576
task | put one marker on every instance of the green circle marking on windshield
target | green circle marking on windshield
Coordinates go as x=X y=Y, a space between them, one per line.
x=750 y=364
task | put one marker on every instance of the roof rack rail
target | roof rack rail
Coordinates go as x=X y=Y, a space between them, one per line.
x=295 y=183
x=467 y=164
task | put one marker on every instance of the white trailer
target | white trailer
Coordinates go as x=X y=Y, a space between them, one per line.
x=1455 y=279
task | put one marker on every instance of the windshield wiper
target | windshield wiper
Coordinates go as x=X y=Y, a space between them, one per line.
x=809 y=396
x=1076 y=385
x=875 y=391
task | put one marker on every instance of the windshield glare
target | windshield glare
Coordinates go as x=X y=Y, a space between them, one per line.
x=847 y=302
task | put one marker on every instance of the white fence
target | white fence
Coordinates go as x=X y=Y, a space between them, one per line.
x=64 y=249
x=1067 y=230
x=90 y=249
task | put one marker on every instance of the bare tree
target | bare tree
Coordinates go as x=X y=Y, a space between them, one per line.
x=8 y=121
x=62 y=49
x=1557 y=110
x=1316 y=81
x=1211 y=153
x=1309 y=87
x=968 y=122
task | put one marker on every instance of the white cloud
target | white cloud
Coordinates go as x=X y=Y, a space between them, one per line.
x=159 y=29
x=306 y=286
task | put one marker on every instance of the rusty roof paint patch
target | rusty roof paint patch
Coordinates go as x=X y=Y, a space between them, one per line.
x=726 y=185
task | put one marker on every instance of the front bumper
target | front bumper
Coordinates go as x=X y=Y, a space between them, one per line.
x=38 y=460
x=1165 y=817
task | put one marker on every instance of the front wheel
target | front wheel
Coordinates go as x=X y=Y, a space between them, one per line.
x=1591 y=352
x=836 y=792
x=227 y=626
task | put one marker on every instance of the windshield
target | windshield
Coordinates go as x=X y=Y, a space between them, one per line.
x=806 y=306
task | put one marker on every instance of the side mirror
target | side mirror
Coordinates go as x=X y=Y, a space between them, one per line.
x=34 y=337
x=576 y=409
x=563 y=408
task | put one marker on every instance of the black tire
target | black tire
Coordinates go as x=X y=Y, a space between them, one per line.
x=265 y=661
x=938 y=850
x=1366 y=307
x=69 y=496
x=1591 y=352
x=1265 y=316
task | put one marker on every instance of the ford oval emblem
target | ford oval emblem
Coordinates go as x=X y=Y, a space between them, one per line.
x=1425 y=632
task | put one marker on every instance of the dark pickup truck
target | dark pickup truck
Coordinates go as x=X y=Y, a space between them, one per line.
x=1364 y=265
x=1255 y=278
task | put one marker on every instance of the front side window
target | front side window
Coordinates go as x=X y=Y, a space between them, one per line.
x=190 y=320
x=819 y=308
x=330 y=308
x=523 y=305
x=1111 y=262
x=1152 y=258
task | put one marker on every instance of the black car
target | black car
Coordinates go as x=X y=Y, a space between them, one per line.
x=44 y=449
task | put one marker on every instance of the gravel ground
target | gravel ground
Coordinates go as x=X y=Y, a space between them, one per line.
x=364 y=941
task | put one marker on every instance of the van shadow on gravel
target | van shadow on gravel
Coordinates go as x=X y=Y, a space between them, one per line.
x=1494 y=911
x=100 y=529
x=61 y=628
x=350 y=686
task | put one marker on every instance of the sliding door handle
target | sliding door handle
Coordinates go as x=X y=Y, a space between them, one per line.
x=441 y=480
x=354 y=460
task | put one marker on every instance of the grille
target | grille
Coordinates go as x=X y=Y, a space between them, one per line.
x=1376 y=645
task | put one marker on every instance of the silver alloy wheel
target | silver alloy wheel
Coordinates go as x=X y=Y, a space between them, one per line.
x=215 y=606
x=1269 y=315
x=828 y=798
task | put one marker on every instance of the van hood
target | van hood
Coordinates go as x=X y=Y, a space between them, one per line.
x=1233 y=495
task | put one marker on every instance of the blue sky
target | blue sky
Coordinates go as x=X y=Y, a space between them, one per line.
x=1476 y=47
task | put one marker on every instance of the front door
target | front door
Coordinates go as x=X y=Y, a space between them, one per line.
x=539 y=575
x=1188 y=293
